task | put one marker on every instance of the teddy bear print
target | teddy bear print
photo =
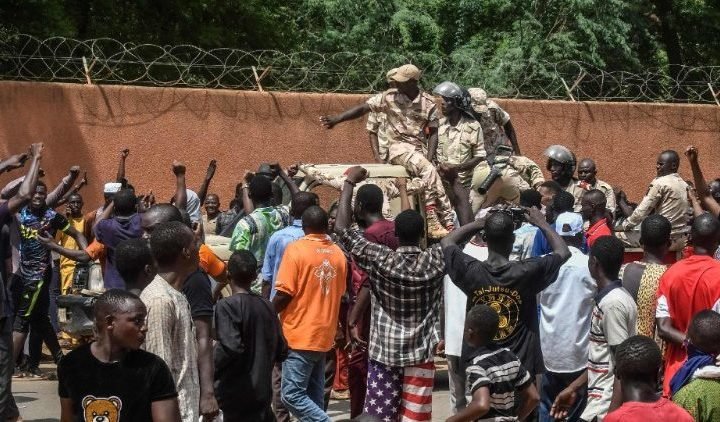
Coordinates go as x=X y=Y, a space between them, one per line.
x=99 y=409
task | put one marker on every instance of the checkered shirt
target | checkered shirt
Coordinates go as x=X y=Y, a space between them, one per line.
x=406 y=300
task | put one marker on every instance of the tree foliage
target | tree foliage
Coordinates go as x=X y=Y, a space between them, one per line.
x=503 y=43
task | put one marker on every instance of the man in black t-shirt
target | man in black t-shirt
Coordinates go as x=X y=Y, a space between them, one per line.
x=510 y=288
x=112 y=377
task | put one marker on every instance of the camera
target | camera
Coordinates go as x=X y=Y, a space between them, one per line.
x=516 y=213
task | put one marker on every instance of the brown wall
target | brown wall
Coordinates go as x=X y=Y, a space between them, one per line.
x=89 y=125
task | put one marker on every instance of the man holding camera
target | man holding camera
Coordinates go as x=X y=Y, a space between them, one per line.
x=510 y=288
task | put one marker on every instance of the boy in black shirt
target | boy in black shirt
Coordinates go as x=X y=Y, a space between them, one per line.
x=249 y=343
x=112 y=377
x=494 y=374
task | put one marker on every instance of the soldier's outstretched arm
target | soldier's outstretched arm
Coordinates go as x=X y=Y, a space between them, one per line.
x=350 y=114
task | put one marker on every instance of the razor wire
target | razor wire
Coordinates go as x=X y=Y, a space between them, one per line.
x=108 y=61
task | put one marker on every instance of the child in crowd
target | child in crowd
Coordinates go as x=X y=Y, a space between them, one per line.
x=638 y=360
x=696 y=385
x=495 y=374
x=112 y=379
x=249 y=343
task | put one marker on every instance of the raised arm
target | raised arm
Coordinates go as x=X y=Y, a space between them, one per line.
x=353 y=113
x=27 y=187
x=248 y=205
x=121 y=165
x=355 y=175
x=60 y=190
x=294 y=190
x=180 y=186
x=209 y=174
x=13 y=162
x=104 y=215
x=701 y=187
x=558 y=245
x=463 y=234
x=73 y=191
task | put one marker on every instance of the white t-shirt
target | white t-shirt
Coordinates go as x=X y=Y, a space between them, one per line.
x=456 y=305
x=613 y=321
x=565 y=311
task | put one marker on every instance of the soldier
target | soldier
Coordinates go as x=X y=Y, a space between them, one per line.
x=667 y=196
x=561 y=164
x=587 y=173
x=460 y=137
x=375 y=122
x=496 y=124
x=410 y=127
x=528 y=170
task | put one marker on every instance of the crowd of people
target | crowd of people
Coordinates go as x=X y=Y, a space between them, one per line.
x=550 y=299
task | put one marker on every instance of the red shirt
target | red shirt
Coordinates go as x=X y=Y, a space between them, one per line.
x=689 y=286
x=661 y=410
x=597 y=230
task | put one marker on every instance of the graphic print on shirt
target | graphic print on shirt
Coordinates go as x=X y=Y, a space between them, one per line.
x=325 y=273
x=99 y=409
x=506 y=302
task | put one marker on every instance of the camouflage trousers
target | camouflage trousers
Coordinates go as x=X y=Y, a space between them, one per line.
x=418 y=166
x=506 y=188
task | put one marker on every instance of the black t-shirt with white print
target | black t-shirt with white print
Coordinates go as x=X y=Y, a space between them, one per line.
x=121 y=390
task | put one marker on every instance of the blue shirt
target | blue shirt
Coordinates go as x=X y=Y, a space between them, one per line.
x=275 y=250
x=34 y=256
x=541 y=246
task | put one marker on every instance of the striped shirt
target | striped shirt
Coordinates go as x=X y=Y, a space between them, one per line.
x=501 y=372
x=171 y=336
x=613 y=320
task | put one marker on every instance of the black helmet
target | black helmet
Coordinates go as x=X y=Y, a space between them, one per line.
x=460 y=96
x=562 y=155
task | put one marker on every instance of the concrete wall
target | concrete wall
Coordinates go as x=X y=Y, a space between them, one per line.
x=89 y=125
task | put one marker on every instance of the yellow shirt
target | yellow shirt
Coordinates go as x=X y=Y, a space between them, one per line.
x=67 y=265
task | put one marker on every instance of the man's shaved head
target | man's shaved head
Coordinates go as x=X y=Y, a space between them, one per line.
x=668 y=162
x=593 y=204
x=315 y=220
x=705 y=232
x=587 y=170
x=158 y=214
x=595 y=197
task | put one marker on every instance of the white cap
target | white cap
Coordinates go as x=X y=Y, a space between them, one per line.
x=112 y=187
x=569 y=224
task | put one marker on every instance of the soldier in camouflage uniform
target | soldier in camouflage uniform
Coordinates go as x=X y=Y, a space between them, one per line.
x=517 y=172
x=496 y=124
x=375 y=123
x=460 y=137
x=410 y=126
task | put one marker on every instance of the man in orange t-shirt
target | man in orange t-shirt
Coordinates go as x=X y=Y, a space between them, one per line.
x=311 y=281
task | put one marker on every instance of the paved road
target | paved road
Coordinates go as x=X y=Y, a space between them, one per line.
x=38 y=400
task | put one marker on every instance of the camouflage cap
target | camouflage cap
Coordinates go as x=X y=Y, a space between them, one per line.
x=406 y=72
x=479 y=99
x=390 y=73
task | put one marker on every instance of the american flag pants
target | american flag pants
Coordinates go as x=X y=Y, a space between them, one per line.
x=400 y=394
